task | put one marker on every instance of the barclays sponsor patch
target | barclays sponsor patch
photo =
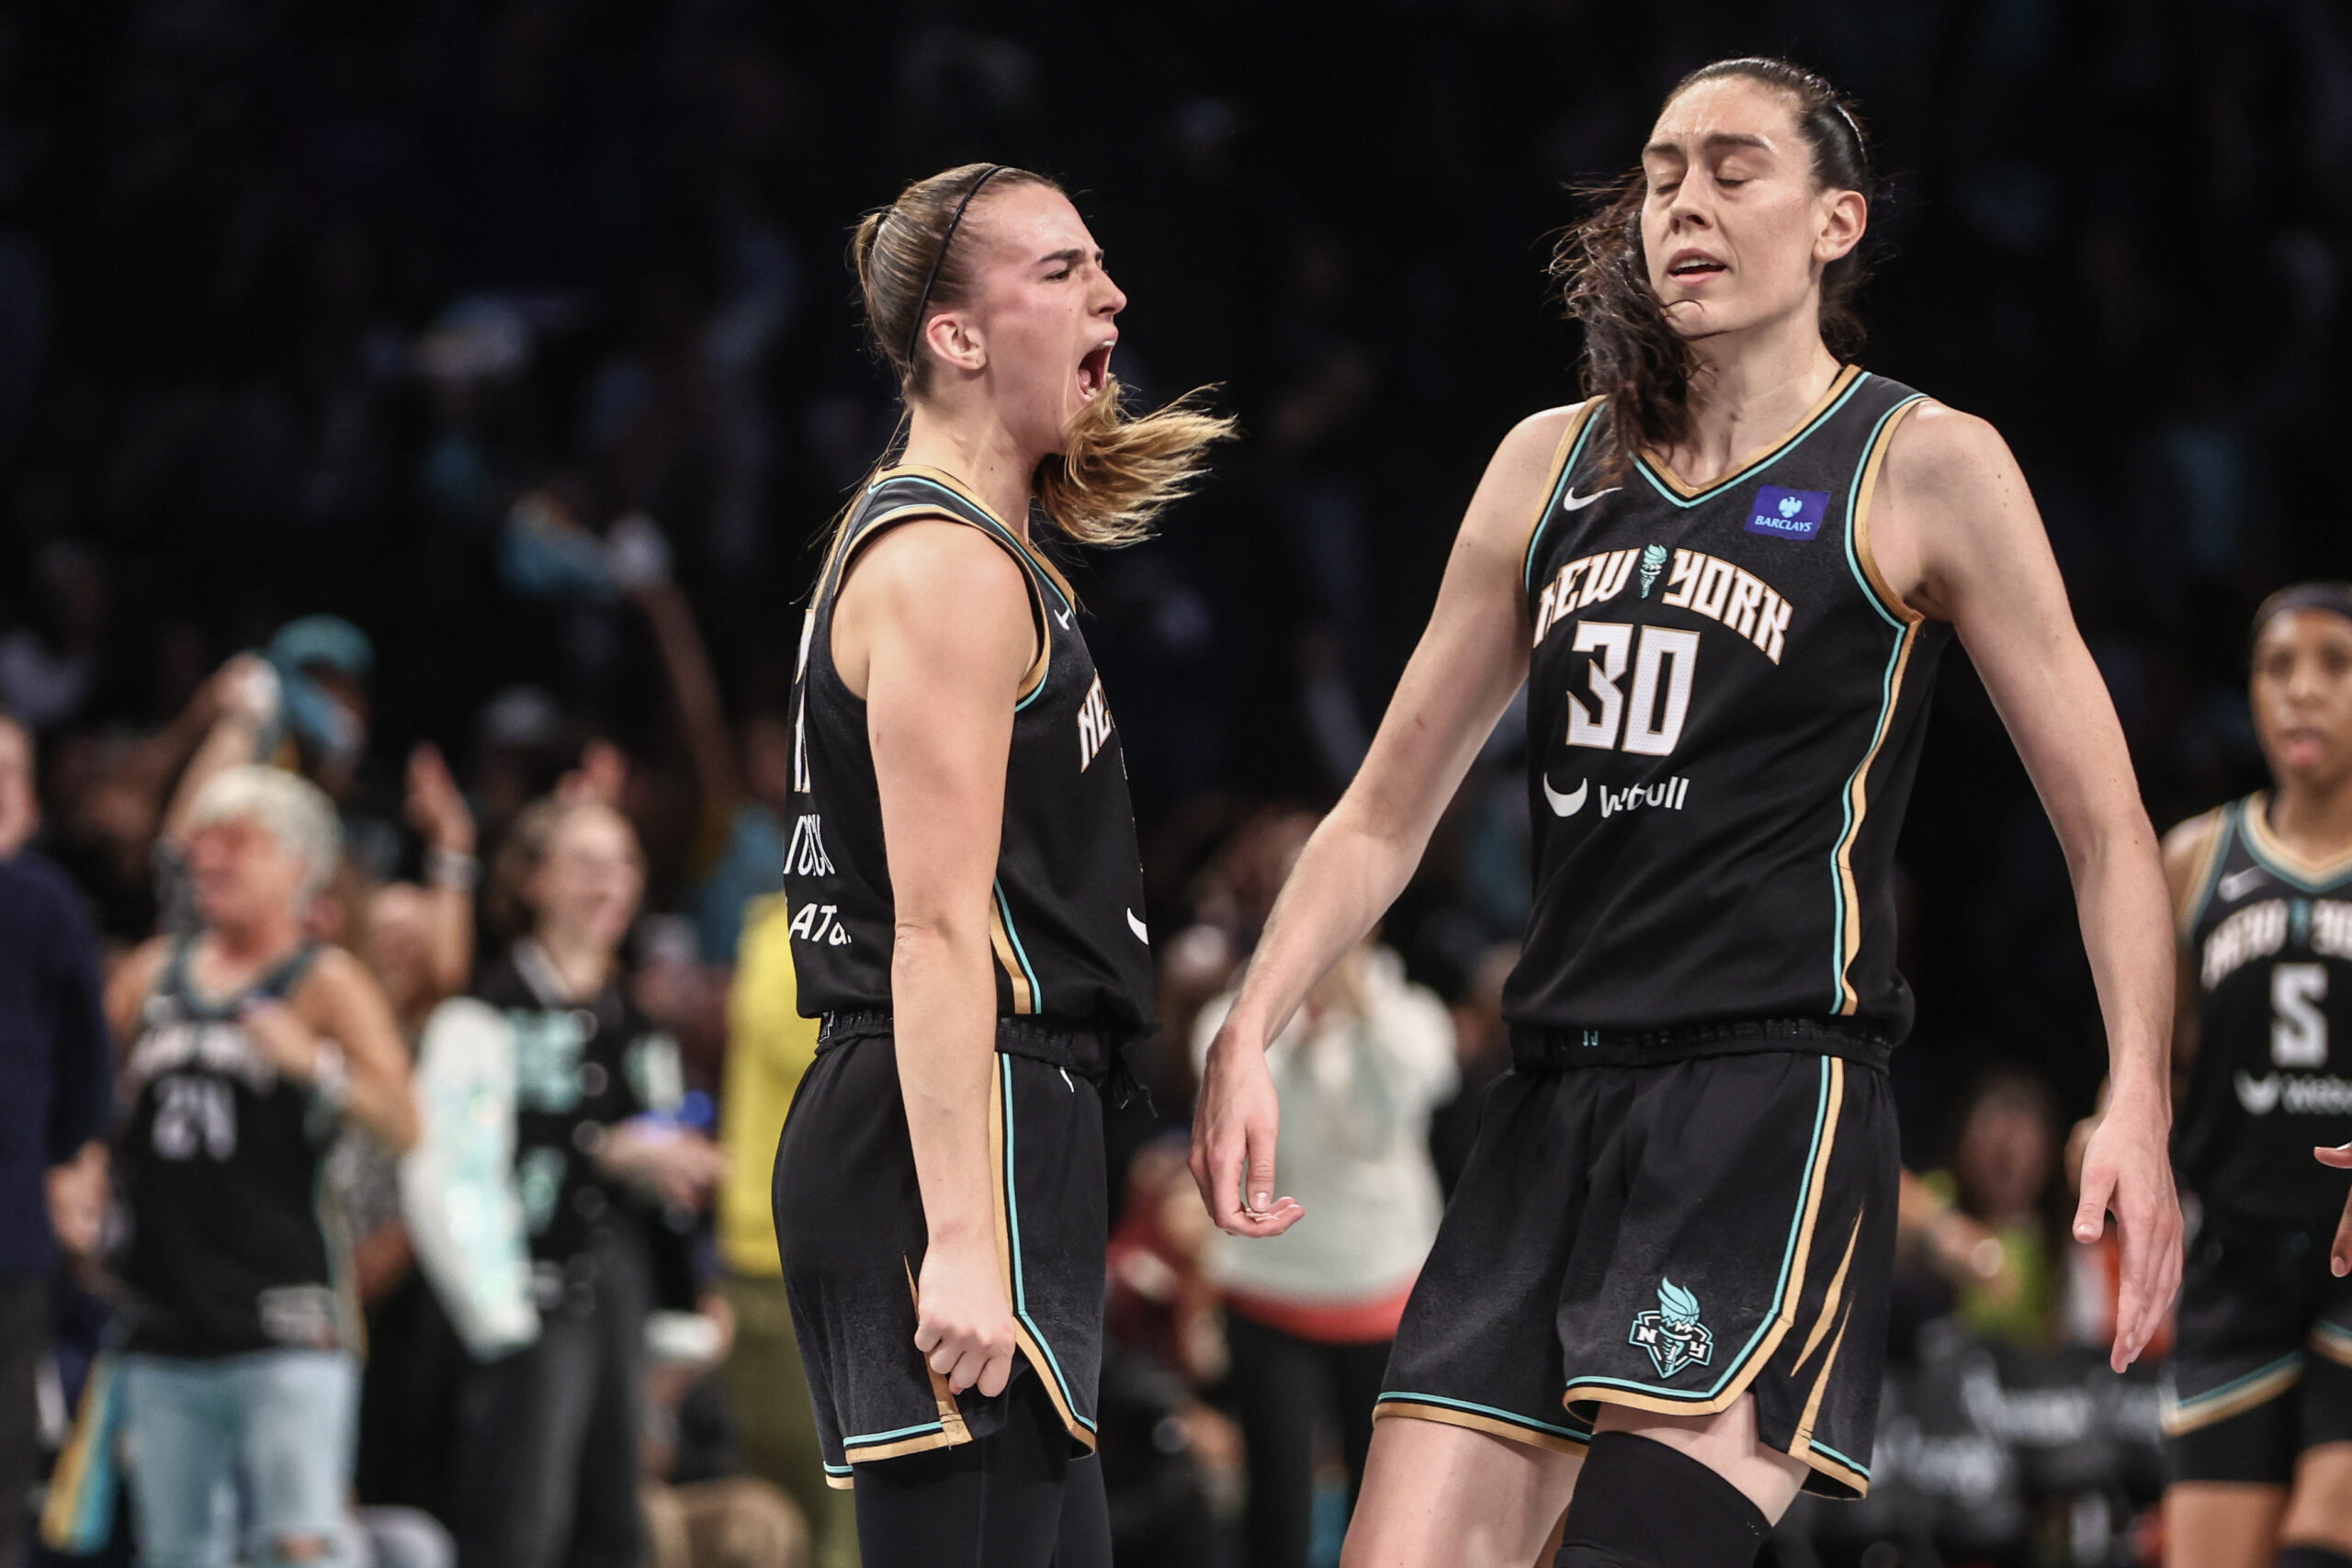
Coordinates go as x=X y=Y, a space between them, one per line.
x=1787 y=513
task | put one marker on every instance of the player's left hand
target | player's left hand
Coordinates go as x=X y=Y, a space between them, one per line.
x=2339 y=1257
x=2127 y=1170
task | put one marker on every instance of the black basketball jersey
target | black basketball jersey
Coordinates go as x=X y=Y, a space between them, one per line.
x=1066 y=918
x=220 y=1163
x=2270 y=939
x=581 y=1065
x=1725 y=706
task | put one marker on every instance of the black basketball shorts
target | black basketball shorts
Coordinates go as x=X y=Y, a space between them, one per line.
x=849 y=1220
x=2261 y=1367
x=1667 y=1237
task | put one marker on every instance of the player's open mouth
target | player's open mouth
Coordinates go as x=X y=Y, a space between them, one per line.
x=1693 y=264
x=1094 y=370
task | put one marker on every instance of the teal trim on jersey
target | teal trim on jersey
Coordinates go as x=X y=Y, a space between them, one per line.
x=1012 y=1234
x=868 y=1439
x=1552 y=501
x=1666 y=491
x=2292 y=1359
x=2293 y=879
x=1788 y=1262
x=1004 y=910
x=1853 y=499
x=1010 y=537
x=1028 y=556
x=1828 y=1453
x=2232 y=827
x=832 y=1469
x=1511 y=1417
x=1902 y=633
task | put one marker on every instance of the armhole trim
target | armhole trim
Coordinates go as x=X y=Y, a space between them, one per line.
x=2221 y=820
x=1858 y=512
x=867 y=531
x=1564 y=462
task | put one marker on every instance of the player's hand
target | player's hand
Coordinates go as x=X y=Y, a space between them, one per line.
x=962 y=1317
x=285 y=1042
x=1234 y=1131
x=2127 y=1170
x=2339 y=1258
x=436 y=807
x=678 y=1162
x=77 y=1200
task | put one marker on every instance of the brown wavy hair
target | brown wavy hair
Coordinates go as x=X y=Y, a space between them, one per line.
x=1118 y=470
x=1632 y=357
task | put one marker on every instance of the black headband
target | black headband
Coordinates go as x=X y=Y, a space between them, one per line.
x=922 y=300
x=2334 y=598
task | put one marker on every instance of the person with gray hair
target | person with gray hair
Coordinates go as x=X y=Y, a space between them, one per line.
x=249 y=1042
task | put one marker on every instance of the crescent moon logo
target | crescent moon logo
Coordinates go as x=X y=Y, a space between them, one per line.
x=1566 y=805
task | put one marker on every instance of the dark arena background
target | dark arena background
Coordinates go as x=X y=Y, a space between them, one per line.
x=518 y=339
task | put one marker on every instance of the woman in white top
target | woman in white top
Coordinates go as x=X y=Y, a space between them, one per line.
x=1309 y=1314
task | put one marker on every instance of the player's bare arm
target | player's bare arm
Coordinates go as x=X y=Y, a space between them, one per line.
x=1470 y=660
x=939 y=692
x=1958 y=538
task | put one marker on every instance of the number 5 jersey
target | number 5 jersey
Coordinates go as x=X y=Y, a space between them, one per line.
x=1725 y=708
x=2270 y=949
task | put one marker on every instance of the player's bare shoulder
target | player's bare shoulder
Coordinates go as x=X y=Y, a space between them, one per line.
x=1518 y=478
x=2187 y=852
x=1950 y=492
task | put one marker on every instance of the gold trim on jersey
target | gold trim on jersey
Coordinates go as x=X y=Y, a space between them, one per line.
x=2333 y=1342
x=1849 y=938
x=2210 y=854
x=1831 y=1296
x=1494 y=1426
x=1784 y=1310
x=1020 y=536
x=1657 y=465
x=1862 y=498
x=2267 y=846
x=1041 y=1362
x=1800 y=1444
x=1024 y=1000
x=1580 y=415
x=2180 y=1416
x=1837 y=1470
x=1034 y=676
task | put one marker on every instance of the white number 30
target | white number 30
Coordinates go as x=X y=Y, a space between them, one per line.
x=1660 y=701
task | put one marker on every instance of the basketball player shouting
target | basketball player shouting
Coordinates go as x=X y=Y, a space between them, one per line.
x=965 y=892
x=2258 y=1411
x=1727 y=577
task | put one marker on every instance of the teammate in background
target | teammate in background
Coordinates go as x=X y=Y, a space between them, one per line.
x=248 y=1043
x=967 y=895
x=2258 y=1407
x=1665 y=1265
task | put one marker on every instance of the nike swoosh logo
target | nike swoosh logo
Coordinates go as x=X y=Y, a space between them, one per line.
x=2238 y=883
x=1575 y=503
x=1566 y=805
x=1142 y=935
x=1063 y=616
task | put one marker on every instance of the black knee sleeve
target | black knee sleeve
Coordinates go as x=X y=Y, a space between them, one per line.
x=1639 y=1504
x=2312 y=1557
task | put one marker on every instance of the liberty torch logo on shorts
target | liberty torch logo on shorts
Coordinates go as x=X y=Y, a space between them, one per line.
x=1787 y=513
x=1672 y=1333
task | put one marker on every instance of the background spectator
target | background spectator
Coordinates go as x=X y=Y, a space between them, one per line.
x=56 y=1092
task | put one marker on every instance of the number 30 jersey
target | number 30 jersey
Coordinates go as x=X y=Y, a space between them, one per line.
x=1725 y=708
x=2270 y=948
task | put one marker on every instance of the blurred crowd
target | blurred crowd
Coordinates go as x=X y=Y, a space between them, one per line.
x=440 y=400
